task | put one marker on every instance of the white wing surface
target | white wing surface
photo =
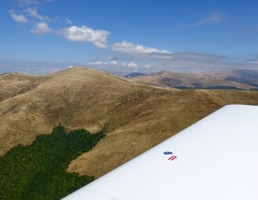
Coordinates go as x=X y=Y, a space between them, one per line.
x=214 y=159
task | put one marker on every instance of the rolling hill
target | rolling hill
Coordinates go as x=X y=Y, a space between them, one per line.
x=13 y=84
x=134 y=117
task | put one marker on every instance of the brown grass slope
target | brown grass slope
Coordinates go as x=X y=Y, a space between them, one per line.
x=12 y=84
x=76 y=98
x=134 y=117
x=143 y=123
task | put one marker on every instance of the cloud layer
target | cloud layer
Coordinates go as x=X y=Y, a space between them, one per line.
x=213 y=17
x=41 y=26
x=131 y=48
x=126 y=55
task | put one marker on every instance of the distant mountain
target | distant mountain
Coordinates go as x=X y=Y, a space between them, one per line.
x=134 y=117
x=236 y=80
x=249 y=77
x=134 y=75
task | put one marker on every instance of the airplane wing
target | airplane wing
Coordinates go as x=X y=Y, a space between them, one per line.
x=214 y=159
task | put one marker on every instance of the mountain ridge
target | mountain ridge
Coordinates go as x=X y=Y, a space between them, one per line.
x=237 y=79
x=134 y=117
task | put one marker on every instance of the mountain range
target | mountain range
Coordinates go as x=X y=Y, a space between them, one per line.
x=237 y=80
x=135 y=113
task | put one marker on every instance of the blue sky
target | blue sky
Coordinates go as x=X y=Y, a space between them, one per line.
x=43 y=36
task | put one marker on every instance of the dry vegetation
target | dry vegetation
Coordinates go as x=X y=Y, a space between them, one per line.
x=134 y=117
x=12 y=84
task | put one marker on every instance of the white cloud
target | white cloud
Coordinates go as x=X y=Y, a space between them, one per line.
x=86 y=34
x=113 y=62
x=213 y=17
x=131 y=48
x=69 y=21
x=132 y=65
x=28 y=2
x=34 y=13
x=252 y=61
x=147 y=66
x=195 y=62
x=18 y=18
x=33 y=2
x=41 y=28
x=98 y=62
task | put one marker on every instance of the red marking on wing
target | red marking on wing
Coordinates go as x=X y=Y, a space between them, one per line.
x=172 y=158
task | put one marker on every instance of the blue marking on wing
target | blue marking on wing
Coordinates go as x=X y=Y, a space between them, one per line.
x=168 y=153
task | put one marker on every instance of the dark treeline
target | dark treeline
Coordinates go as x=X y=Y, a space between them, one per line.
x=38 y=171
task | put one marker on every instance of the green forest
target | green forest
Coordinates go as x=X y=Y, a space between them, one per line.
x=38 y=171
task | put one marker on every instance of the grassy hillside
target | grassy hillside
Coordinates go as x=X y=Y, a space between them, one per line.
x=134 y=117
x=13 y=84
x=142 y=123
x=77 y=97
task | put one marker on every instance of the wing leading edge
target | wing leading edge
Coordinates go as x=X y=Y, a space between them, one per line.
x=216 y=158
